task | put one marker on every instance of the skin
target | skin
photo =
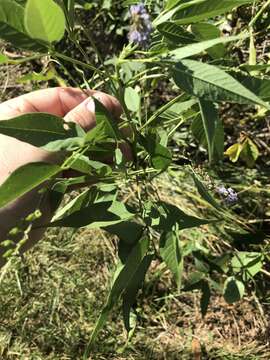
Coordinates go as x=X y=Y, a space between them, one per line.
x=71 y=104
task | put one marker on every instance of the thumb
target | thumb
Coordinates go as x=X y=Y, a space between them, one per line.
x=84 y=113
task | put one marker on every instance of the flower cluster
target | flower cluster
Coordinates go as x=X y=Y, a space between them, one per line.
x=229 y=195
x=141 y=27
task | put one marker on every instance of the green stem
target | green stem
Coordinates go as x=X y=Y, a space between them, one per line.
x=161 y=110
x=259 y=13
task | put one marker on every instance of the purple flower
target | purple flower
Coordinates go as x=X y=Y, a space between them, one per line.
x=221 y=190
x=138 y=9
x=141 y=26
x=232 y=197
x=229 y=195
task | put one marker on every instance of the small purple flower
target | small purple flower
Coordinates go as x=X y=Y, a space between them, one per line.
x=232 y=197
x=141 y=27
x=138 y=9
x=221 y=190
x=229 y=195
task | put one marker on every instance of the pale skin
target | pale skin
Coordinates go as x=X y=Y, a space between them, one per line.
x=71 y=104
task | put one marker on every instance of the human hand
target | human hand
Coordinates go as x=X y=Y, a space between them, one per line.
x=71 y=104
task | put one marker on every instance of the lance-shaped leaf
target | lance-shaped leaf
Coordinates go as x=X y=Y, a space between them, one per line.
x=211 y=83
x=211 y=125
x=37 y=129
x=259 y=86
x=206 y=31
x=204 y=9
x=200 y=135
x=44 y=20
x=171 y=215
x=95 y=215
x=25 y=179
x=122 y=281
x=169 y=247
x=197 y=48
x=175 y=34
x=12 y=27
x=129 y=296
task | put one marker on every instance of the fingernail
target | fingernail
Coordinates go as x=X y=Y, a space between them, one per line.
x=90 y=105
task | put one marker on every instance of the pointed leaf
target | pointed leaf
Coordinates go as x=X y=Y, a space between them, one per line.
x=205 y=9
x=37 y=129
x=211 y=124
x=95 y=216
x=129 y=296
x=211 y=83
x=206 y=31
x=170 y=252
x=197 y=48
x=175 y=33
x=25 y=179
x=121 y=282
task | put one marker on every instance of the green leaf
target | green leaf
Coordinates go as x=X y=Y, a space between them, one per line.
x=175 y=111
x=205 y=298
x=129 y=296
x=206 y=9
x=175 y=33
x=170 y=215
x=250 y=152
x=25 y=179
x=129 y=233
x=79 y=202
x=132 y=99
x=170 y=252
x=211 y=124
x=204 y=192
x=12 y=27
x=233 y=290
x=247 y=264
x=37 y=129
x=198 y=131
x=206 y=31
x=106 y=127
x=38 y=77
x=160 y=156
x=122 y=281
x=259 y=86
x=44 y=20
x=211 y=83
x=197 y=48
x=234 y=151
x=95 y=215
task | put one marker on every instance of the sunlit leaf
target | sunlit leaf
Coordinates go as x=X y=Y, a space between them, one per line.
x=170 y=251
x=25 y=179
x=12 y=27
x=44 y=20
x=212 y=83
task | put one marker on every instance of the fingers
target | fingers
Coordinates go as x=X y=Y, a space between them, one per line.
x=57 y=101
x=84 y=113
x=73 y=104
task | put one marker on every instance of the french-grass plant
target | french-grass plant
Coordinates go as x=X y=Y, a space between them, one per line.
x=180 y=43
